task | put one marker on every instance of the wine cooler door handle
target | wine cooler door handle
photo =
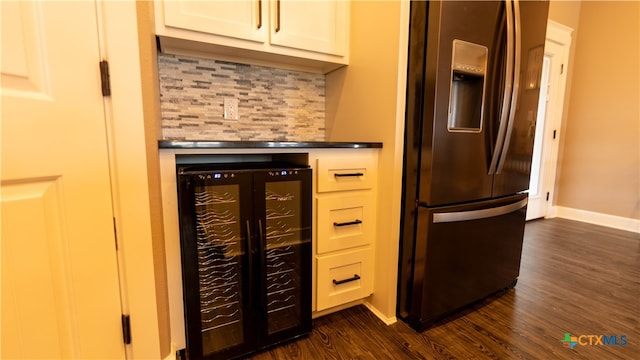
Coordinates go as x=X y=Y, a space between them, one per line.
x=354 y=278
x=249 y=250
x=354 y=222
x=261 y=239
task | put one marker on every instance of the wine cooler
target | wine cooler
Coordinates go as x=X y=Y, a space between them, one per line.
x=245 y=238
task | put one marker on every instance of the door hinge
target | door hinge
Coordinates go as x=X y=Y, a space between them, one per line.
x=554 y=134
x=126 y=329
x=104 y=78
x=547 y=196
x=561 y=69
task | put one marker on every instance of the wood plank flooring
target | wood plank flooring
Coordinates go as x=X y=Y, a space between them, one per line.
x=575 y=277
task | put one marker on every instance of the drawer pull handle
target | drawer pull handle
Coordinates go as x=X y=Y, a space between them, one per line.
x=354 y=278
x=348 y=174
x=354 y=222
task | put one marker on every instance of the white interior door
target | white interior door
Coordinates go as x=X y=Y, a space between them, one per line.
x=550 y=105
x=60 y=292
x=537 y=205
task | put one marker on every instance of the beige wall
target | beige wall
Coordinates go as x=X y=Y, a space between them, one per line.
x=565 y=12
x=365 y=102
x=600 y=161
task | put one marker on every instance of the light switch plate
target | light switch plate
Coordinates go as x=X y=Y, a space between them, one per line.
x=230 y=109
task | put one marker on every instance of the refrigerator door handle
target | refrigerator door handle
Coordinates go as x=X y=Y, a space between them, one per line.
x=516 y=86
x=478 y=214
x=508 y=93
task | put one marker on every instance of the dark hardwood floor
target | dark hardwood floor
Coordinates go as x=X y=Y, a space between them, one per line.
x=575 y=278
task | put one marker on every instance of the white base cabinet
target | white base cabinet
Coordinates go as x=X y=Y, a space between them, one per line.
x=345 y=227
x=343 y=255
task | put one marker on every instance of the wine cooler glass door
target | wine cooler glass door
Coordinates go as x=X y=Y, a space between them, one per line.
x=215 y=227
x=285 y=242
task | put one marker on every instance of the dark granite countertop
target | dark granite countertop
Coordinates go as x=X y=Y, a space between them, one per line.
x=201 y=144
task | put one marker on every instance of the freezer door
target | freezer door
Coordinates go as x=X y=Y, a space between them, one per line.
x=461 y=87
x=463 y=254
x=512 y=175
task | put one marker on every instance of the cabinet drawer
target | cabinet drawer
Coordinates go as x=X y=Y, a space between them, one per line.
x=344 y=277
x=345 y=221
x=346 y=173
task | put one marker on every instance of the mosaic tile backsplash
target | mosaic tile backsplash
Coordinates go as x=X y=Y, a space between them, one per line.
x=273 y=104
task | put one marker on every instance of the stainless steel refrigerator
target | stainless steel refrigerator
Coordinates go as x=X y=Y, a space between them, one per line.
x=472 y=93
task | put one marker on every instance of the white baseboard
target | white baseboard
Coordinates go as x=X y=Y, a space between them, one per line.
x=612 y=221
x=379 y=315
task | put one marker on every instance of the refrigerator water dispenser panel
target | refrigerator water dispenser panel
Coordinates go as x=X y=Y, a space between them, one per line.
x=466 y=99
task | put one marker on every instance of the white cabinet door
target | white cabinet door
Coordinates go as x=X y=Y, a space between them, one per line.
x=319 y=26
x=238 y=19
x=60 y=294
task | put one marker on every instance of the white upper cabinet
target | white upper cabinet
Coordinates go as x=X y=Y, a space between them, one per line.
x=310 y=34
x=310 y=25
x=235 y=19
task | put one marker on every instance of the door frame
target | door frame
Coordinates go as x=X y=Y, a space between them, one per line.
x=557 y=34
x=131 y=119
